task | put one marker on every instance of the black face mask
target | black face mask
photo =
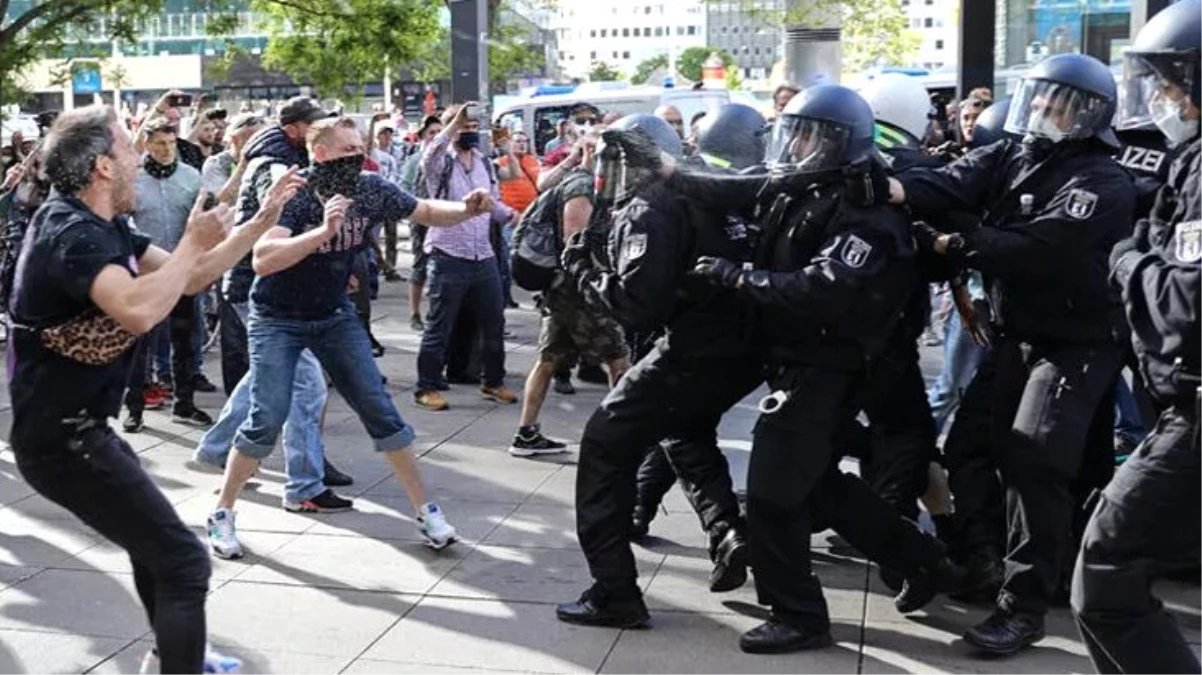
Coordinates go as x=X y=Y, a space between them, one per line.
x=468 y=140
x=159 y=171
x=1036 y=149
x=337 y=176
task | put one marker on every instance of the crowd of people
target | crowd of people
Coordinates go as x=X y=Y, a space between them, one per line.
x=687 y=263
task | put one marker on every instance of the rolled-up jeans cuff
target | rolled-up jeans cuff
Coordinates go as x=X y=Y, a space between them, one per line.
x=401 y=440
x=253 y=450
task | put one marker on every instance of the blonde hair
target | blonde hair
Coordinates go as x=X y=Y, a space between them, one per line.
x=321 y=130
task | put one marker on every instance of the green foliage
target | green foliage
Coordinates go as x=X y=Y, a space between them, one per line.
x=643 y=71
x=690 y=61
x=734 y=79
x=603 y=72
x=340 y=46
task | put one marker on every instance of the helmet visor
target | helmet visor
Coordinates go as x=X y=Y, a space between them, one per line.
x=1152 y=79
x=1056 y=111
x=805 y=144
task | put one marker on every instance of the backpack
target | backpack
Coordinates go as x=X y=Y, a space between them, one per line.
x=538 y=242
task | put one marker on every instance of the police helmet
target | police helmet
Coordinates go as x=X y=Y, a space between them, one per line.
x=822 y=128
x=1065 y=97
x=660 y=132
x=899 y=101
x=988 y=129
x=1161 y=69
x=732 y=137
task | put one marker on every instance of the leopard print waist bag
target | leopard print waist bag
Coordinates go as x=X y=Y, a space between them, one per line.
x=92 y=338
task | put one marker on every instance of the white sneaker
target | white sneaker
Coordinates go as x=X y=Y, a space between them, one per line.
x=215 y=662
x=223 y=537
x=434 y=526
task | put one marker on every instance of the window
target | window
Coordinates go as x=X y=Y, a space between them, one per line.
x=593 y=33
x=602 y=32
x=647 y=31
x=938 y=44
x=928 y=22
x=905 y=3
x=659 y=31
x=592 y=56
x=636 y=32
x=647 y=9
x=723 y=31
x=914 y=23
x=930 y=2
x=626 y=55
x=756 y=51
x=680 y=30
x=615 y=55
x=691 y=31
x=734 y=29
x=626 y=31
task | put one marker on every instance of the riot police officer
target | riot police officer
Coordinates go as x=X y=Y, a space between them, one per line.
x=1147 y=522
x=1056 y=204
x=832 y=269
x=730 y=139
x=700 y=368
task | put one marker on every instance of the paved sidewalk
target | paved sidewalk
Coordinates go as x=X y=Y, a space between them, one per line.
x=359 y=593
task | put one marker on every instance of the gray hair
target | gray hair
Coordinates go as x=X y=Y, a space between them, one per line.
x=77 y=138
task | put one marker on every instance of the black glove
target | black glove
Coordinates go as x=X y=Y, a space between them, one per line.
x=924 y=236
x=640 y=152
x=1142 y=235
x=718 y=271
x=867 y=185
x=575 y=257
x=1121 y=249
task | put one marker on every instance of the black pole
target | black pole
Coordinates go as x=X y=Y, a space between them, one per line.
x=977 y=23
x=469 y=55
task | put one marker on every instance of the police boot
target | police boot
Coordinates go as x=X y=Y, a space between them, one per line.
x=1005 y=633
x=985 y=573
x=776 y=637
x=730 y=560
x=598 y=607
x=944 y=577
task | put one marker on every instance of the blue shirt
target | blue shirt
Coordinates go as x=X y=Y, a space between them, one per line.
x=315 y=287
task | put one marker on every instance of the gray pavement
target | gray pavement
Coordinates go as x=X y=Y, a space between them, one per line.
x=359 y=593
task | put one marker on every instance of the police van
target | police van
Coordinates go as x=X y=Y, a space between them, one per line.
x=539 y=115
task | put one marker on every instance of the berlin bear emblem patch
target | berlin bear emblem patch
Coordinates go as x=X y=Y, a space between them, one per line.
x=855 y=251
x=1081 y=204
x=1189 y=241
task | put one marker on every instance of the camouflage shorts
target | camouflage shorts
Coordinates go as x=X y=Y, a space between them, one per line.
x=571 y=331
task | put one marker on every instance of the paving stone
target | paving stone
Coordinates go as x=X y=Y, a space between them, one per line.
x=372 y=667
x=254 y=660
x=108 y=557
x=300 y=620
x=539 y=525
x=99 y=604
x=25 y=540
x=256 y=509
x=11 y=574
x=355 y=563
x=36 y=652
x=379 y=517
x=491 y=634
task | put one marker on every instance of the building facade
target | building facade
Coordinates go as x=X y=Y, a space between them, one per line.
x=752 y=32
x=624 y=33
x=937 y=22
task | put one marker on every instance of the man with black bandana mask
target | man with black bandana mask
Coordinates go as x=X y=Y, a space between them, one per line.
x=858 y=259
x=1056 y=203
x=299 y=302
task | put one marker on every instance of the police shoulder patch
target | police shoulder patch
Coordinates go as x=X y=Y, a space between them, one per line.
x=855 y=251
x=1188 y=240
x=635 y=246
x=1081 y=204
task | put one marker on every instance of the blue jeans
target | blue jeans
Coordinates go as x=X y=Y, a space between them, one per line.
x=341 y=346
x=1127 y=421
x=451 y=282
x=961 y=356
x=304 y=452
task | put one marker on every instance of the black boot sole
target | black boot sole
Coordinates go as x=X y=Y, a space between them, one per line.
x=604 y=620
x=810 y=643
x=730 y=573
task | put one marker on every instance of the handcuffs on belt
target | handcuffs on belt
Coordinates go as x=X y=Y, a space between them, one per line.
x=775 y=401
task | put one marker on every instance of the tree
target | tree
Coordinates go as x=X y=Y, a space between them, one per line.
x=603 y=72
x=690 y=61
x=643 y=71
x=734 y=79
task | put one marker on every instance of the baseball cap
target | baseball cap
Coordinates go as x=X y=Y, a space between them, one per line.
x=302 y=109
x=244 y=120
x=386 y=125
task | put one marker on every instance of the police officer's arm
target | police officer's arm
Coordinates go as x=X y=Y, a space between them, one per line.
x=835 y=282
x=725 y=193
x=1079 y=218
x=1162 y=285
x=961 y=185
x=641 y=290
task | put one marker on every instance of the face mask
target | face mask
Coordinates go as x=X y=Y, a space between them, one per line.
x=159 y=171
x=1046 y=128
x=1166 y=115
x=337 y=176
x=468 y=140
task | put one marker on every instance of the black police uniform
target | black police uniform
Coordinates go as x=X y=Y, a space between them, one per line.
x=831 y=279
x=696 y=372
x=1057 y=356
x=1148 y=520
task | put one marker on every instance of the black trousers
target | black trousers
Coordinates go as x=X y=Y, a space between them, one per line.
x=794 y=481
x=901 y=432
x=1146 y=523
x=135 y=381
x=96 y=475
x=1045 y=398
x=235 y=354
x=183 y=350
x=972 y=465
x=664 y=395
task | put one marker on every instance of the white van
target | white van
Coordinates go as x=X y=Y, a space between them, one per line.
x=538 y=116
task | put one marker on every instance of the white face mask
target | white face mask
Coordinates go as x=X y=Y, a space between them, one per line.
x=1046 y=128
x=1166 y=114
